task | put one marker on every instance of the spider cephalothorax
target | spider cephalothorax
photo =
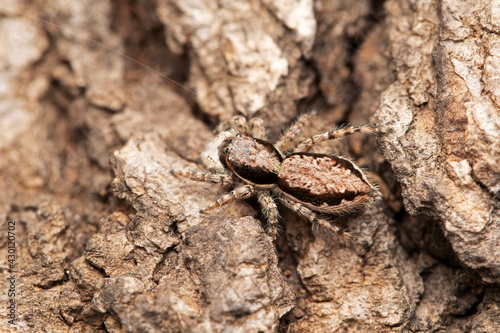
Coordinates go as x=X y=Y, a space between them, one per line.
x=309 y=184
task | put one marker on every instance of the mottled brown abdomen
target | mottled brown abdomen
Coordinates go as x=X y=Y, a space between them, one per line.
x=324 y=183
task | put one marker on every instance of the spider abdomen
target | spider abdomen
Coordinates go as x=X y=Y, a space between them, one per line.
x=324 y=183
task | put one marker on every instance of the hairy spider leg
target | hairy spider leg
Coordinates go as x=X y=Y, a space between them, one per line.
x=239 y=193
x=238 y=124
x=337 y=133
x=256 y=128
x=312 y=217
x=285 y=143
x=270 y=211
x=207 y=177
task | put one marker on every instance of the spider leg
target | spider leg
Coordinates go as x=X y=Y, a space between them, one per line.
x=207 y=177
x=239 y=193
x=253 y=127
x=237 y=124
x=257 y=128
x=285 y=143
x=312 y=217
x=270 y=210
x=305 y=146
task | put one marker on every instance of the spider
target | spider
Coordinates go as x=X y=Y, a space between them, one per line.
x=311 y=185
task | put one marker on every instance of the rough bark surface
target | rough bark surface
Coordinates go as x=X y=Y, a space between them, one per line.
x=108 y=240
x=443 y=107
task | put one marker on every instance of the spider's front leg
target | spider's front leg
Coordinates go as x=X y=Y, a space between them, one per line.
x=256 y=128
x=239 y=193
x=207 y=177
x=285 y=142
x=305 y=146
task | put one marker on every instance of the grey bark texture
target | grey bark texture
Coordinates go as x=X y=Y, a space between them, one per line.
x=108 y=240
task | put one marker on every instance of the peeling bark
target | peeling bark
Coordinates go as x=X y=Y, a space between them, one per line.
x=107 y=239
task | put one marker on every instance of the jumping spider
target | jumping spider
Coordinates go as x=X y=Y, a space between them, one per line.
x=311 y=185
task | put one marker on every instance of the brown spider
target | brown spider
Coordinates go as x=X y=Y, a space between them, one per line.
x=306 y=183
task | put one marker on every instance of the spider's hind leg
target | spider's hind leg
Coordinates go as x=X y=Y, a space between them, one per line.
x=312 y=217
